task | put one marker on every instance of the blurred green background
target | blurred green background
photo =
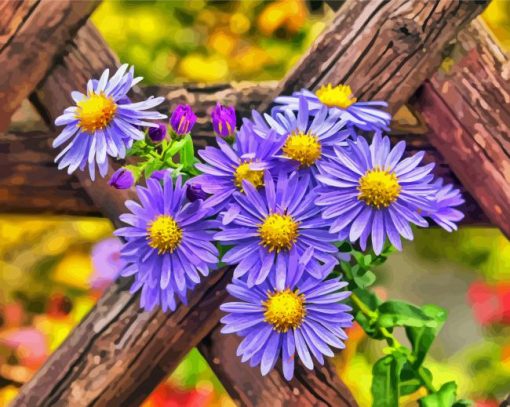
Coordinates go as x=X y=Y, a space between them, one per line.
x=180 y=41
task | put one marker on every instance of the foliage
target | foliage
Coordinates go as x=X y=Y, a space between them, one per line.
x=401 y=371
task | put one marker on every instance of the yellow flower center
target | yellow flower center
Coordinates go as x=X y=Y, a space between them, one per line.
x=243 y=172
x=302 y=147
x=285 y=310
x=95 y=112
x=378 y=188
x=336 y=96
x=164 y=234
x=278 y=232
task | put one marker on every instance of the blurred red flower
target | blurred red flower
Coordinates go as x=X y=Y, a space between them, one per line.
x=490 y=302
x=166 y=395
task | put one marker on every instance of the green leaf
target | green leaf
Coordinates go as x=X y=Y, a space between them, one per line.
x=444 y=397
x=386 y=380
x=367 y=260
x=369 y=298
x=362 y=277
x=410 y=380
x=344 y=247
x=187 y=153
x=358 y=256
x=463 y=403
x=421 y=338
x=400 y=313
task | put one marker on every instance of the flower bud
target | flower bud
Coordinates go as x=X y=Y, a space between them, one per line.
x=157 y=134
x=122 y=179
x=195 y=192
x=224 y=120
x=182 y=120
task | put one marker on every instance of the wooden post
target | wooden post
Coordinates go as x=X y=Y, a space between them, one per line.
x=466 y=105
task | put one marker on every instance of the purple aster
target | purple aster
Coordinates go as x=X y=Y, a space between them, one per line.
x=447 y=198
x=305 y=139
x=306 y=319
x=228 y=166
x=368 y=116
x=279 y=230
x=369 y=191
x=103 y=122
x=168 y=243
x=223 y=120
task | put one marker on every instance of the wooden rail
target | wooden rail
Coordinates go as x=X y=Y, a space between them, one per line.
x=383 y=50
x=31 y=184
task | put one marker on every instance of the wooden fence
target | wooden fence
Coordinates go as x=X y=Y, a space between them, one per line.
x=434 y=56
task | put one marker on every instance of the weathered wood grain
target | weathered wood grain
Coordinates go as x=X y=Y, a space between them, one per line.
x=383 y=25
x=320 y=387
x=383 y=50
x=118 y=340
x=32 y=35
x=467 y=106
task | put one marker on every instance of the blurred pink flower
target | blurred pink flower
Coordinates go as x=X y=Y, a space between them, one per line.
x=29 y=343
x=106 y=262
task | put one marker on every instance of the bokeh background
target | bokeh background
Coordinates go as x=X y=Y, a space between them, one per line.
x=181 y=41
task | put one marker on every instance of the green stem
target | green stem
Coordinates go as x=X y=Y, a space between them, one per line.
x=391 y=340
x=364 y=308
x=427 y=383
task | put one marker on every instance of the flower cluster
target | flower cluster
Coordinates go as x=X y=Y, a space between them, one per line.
x=281 y=194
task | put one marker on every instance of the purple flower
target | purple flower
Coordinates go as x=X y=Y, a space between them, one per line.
x=157 y=134
x=195 y=192
x=106 y=262
x=278 y=230
x=447 y=198
x=368 y=191
x=305 y=139
x=368 y=116
x=122 y=179
x=224 y=120
x=226 y=167
x=103 y=123
x=304 y=319
x=182 y=120
x=168 y=243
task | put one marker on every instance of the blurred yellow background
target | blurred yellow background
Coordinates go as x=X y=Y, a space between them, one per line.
x=170 y=42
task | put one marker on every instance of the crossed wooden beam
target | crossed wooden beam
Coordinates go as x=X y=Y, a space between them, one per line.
x=429 y=54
